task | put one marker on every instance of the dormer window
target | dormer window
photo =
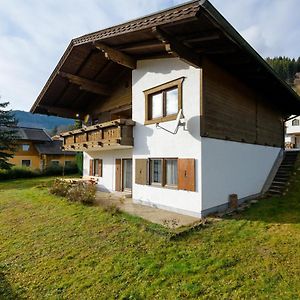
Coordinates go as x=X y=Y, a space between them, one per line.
x=295 y=122
x=162 y=103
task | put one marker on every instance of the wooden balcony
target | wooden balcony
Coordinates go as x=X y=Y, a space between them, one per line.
x=117 y=134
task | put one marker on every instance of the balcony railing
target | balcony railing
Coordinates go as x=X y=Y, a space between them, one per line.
x=109 y=135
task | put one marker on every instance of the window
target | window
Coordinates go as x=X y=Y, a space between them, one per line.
x=156 y=171
x=54 y=162
x=25 y=147
x=68 y=162
x=171 y=172
x=164 y=172
x=295 y=122
x=96 y=167
x=26 y=163
x=163 y=102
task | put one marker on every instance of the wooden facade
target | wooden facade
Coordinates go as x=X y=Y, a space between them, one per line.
x=232 y=110
x=112 y=134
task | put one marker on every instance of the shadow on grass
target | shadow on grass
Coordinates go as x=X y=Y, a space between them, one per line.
x=6 y=290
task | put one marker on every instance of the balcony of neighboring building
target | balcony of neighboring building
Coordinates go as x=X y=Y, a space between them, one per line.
x=115 y=134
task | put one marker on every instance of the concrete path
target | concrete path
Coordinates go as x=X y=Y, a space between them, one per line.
x=149 y=213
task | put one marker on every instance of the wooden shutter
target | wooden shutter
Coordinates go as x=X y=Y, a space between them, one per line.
x=186 y=174
x=91 y=167
x=141 y=171
x=118 y=175
x=100 y=167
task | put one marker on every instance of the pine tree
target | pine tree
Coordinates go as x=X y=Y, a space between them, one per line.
x=8 y=136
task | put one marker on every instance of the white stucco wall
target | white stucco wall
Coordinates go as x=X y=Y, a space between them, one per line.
x=151 y=142
x=107 y=181
x=233 y=168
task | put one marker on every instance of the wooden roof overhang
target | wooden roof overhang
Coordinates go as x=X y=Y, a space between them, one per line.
x=92 y=64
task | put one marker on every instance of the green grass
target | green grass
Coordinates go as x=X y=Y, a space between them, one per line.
x=52 y=249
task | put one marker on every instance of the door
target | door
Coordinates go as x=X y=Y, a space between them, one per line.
x=118 y=175
x=127 y=174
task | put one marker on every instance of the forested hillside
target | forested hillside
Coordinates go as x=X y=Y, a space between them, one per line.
x=285 y=67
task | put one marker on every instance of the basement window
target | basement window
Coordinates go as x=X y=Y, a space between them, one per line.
x=162 y=103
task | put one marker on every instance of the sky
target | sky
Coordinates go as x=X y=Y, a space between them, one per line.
x=35 y=33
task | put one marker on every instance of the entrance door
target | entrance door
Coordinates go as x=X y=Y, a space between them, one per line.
x=127 y=174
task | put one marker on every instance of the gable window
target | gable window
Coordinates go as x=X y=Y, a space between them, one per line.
x=26 y=163
x=162 y=103
x=25 y=147
x=295 y=122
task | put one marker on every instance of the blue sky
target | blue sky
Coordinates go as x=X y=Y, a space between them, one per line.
x=35 y=33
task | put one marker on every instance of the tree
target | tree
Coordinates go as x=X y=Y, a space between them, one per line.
x=8 y=135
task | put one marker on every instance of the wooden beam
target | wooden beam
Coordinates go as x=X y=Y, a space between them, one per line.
x=175 y=47
x=116 y=56
x=86 y=84
x=140 y=45
x=63 y=112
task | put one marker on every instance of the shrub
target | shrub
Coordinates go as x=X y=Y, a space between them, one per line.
x=52 y=170
x=82 y=192
x=74 y=192
x=60 y=187
x=18 y=172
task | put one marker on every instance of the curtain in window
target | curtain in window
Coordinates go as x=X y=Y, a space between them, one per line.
x=172 y=102
x=156 y=171
x=171 y=172
x=157 y=106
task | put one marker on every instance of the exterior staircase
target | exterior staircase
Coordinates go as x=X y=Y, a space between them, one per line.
x=284 y=172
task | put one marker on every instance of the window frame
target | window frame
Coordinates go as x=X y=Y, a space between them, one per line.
x=27 y=146
x=162 y=89
x=96 y=162
x=163 y=183
x=26 y=160
x=295 y=121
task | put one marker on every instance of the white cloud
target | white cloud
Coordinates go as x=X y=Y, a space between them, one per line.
x=34 y=34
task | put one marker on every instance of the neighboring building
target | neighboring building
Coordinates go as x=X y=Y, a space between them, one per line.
x=36 y=150
x=292 y=133
x=135 y=79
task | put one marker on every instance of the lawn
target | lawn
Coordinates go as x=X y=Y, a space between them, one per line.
x=52 y=249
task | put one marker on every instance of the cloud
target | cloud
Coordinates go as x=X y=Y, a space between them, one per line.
x=34 y=34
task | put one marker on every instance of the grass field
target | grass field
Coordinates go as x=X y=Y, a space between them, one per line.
x=52 y=249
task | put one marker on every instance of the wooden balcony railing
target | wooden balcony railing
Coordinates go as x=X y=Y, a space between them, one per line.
x=109 y=135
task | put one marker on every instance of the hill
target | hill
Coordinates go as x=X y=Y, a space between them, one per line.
x=27 y=119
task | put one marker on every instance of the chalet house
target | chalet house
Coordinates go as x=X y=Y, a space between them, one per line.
x=36 y=150
x=184 y=112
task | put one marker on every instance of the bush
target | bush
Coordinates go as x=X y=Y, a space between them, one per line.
x=18 y=172
x=82 y=192
x=74 y=192
x=52 y=170
x=60 y=187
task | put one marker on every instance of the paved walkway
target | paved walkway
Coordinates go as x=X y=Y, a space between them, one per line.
x=152 y=214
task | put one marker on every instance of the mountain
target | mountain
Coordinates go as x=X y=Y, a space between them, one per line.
x=27 y=119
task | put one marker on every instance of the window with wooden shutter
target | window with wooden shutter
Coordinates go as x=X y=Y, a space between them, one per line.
x=186 y=174
x=100 y=167
x=91 y=167
x=141 y=167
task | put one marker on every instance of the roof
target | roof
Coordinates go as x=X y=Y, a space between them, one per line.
x=52 y=148
x=190 y=31
x=30 y=134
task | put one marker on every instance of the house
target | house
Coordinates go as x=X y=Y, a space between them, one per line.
x=184 y=113
x=292 y=135
x=36 y=150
